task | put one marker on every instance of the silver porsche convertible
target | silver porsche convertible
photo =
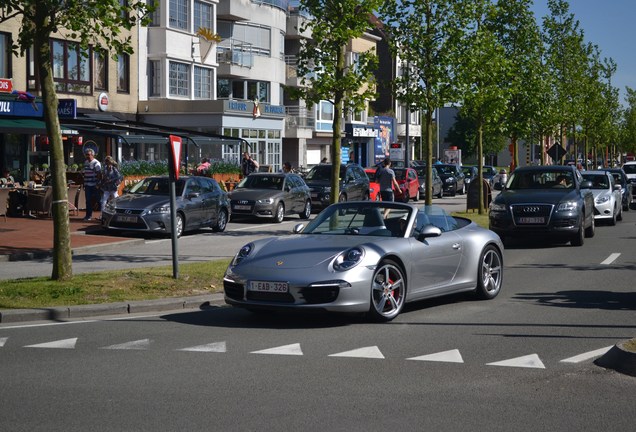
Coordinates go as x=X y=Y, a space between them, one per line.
x=369 y=256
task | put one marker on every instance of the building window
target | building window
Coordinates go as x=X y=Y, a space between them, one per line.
x=154 y=78
x=155 y=16
x=5 y=55
x=223 y=88
x=203 y=16
x=202 y=83
x=123 y=73
x=100 y=70
x=179 y=79
x=324 y=116
x=243 y=90
x=256 y=38
x=179 y=14
x=71 y=67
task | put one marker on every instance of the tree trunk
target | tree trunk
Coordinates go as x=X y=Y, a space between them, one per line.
x=337 y=127
x=62 y=259
x=480 y=158
x=429 y=156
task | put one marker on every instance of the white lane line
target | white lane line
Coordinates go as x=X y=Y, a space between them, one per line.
x=64 y=344
x=451 y=356
x=247 y=228
x=586 y=356
x=610 y=259
x=3 y=340
x=529 y=361
x=292 y=349
x=366 y=352
x=212 y=347
x=141 y=344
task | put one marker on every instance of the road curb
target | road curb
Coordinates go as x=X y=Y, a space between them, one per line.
x=618 y=358
x=121 y=308
x=27 y=256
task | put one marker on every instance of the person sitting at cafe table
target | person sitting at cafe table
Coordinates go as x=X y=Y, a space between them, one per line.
x=7 y=179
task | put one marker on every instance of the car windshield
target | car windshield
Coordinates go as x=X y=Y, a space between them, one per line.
x=629 y=168
x=262 y=182
x=157 y=186
x=540 y=180
x=599 y=181
x=322 y=172
x=400 y=173
x=369 y=218
x=468 y=171
x=618 y=177
x=446 y=169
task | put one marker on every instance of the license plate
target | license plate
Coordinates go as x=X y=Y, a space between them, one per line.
x=267 y=286
x=531 y=220
x=127 y=219
x=242 y=207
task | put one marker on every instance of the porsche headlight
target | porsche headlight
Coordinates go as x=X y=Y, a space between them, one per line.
x=242 y=254
x=266 y=201
x=567 y=206
x=348 y=259
x=602 y=199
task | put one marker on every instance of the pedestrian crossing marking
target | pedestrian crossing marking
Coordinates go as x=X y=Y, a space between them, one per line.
x=366 y=352
x=292 y=349
x=141 y=344
x=529 y=361
x=3 y=340
x=63 y=344
x=451 y=356
x=212 y=347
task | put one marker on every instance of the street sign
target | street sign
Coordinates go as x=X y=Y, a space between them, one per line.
x=556 y=152
x=6 y=85
x=175 y=147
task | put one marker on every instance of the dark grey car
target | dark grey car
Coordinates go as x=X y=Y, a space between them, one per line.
x=200 y=203
x=354 y=184
x=272 y=196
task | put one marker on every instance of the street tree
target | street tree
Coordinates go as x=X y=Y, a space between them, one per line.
x=322 y=64
x=103 y=24
x=426 y=38
x=517 y=31
x=485 y=93
x=628 y=124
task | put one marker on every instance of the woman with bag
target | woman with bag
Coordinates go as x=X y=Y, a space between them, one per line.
x=110 y=180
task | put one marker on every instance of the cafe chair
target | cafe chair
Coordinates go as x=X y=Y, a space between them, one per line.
x=80 y=199
x=4 y=202
x=73 y=191
x=40 y=202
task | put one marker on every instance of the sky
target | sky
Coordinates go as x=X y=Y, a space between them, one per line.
x=610 y=24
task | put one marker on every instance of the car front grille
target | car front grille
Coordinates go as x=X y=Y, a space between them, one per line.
x=233 y=290
x=522 y=213
x=129 y=211
x=270 y=297
x=317 y=295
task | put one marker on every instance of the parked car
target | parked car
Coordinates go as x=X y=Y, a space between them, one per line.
x=200 y=203
x=627 y=195
x=489 y=172
x=409 y=183
x=470 y=173
x=374 y=186
x=607 y=196
x=437 y=189
x=630 y=171
x=368 y=257
x=533 y=203
x=271 y=195
x=452 y=177
x=354 y=184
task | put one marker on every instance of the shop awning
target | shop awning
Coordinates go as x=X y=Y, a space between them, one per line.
x=22 y=126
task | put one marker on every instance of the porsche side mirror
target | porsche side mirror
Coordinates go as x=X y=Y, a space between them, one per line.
x=429 y=231
x=298 y=228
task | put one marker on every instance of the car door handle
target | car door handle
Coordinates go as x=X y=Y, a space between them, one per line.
x=457 y=246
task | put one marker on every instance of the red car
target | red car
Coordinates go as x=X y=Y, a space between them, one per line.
x=374 y=187
x=409 y=184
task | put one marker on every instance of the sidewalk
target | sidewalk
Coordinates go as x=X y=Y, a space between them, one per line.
x=25 y=238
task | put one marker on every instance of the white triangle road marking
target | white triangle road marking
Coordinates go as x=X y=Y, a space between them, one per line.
x=141 y=344
x=529 y=361
x=64 y=344
x=586 y=356
x=212 y=347
x=3 y=340
x=292 y=349
x=451 y=356
x=366 y=352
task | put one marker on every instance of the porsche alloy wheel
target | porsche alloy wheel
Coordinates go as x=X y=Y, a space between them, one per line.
x=388 y=290
x=490 y=273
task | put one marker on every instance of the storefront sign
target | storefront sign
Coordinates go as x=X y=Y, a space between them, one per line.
x=6 y=85
x=231 y=106
x=102 y=101
x=66 y=108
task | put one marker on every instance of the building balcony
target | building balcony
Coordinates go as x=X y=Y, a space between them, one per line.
x=298 y=122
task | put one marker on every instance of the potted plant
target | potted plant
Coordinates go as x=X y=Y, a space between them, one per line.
x=223 y=171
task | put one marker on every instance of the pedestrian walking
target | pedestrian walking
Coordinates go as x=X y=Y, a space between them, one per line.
x=386 y=177
x=92 y=170
x=110 y=180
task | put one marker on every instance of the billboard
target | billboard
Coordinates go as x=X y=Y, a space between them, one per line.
x=386 y=136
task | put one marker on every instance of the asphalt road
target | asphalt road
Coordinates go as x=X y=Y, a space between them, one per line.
x=523 y=361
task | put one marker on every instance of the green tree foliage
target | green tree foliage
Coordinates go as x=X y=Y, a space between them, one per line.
x=326 y=73
x=97 y=23
x=628 y=125
x=483 y=79
x=426 y=38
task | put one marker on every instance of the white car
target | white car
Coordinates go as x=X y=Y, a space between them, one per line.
x=630 y=171
x=607 y=196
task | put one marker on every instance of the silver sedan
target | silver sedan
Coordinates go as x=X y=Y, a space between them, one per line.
x=370 y=257
x=607 y=196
